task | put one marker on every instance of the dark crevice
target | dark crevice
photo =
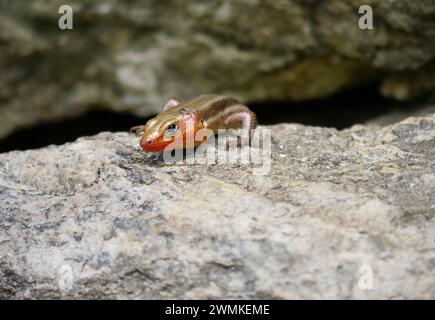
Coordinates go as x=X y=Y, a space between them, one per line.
x=343 y=110
x=339 y=111
x=68 y=130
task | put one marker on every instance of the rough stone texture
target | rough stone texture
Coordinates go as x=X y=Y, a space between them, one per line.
x=418 y=109
x=98 y=218
x=132 y=55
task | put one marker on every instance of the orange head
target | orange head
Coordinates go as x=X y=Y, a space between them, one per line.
x=171 y=128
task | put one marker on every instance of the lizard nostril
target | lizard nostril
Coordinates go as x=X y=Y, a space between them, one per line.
x=146 y=142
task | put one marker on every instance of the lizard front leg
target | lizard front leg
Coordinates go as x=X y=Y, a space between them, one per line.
x=137 y=129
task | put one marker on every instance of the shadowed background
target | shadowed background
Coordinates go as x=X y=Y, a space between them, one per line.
x=293 y=61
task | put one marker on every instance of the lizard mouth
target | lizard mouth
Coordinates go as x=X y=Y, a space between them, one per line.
x=159 y=143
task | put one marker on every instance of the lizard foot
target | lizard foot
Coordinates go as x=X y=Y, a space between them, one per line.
x=137 y=129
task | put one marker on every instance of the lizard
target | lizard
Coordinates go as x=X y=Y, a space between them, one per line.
x=211 y=112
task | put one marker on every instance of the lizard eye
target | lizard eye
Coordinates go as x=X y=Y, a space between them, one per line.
x=171 y=130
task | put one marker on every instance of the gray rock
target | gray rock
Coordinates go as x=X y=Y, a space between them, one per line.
x=99 y=218
x=131 y=56
x=399 y=114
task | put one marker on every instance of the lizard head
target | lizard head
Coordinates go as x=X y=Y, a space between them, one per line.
x=171 y=127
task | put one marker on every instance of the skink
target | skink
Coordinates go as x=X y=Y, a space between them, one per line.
x=211 y=112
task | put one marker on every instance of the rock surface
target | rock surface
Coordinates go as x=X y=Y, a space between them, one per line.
x=132 y=55
x=98 y=218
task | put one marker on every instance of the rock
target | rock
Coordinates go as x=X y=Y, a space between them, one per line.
x=402 y=112
x=99 y=218
x=131 y=56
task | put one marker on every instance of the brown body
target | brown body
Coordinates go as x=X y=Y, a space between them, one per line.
x=207 y=111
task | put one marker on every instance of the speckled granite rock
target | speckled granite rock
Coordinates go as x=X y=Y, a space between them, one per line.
x=98 y=218
x=131 y=56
